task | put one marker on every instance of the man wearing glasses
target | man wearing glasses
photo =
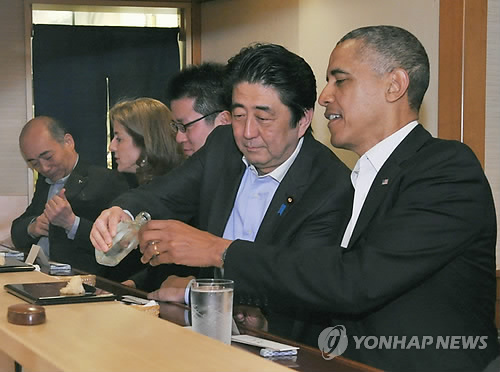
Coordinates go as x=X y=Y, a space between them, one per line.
x=263 y=182
x=196 y=98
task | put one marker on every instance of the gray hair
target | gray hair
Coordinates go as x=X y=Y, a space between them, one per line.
x=390 y=47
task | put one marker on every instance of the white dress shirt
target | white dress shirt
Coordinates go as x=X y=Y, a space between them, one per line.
x=366 y=170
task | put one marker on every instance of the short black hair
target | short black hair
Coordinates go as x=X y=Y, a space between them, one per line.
x=204 y=83
x=274 y=66
x=395 y=47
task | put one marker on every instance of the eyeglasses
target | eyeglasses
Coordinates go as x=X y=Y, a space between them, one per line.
x=179 y=127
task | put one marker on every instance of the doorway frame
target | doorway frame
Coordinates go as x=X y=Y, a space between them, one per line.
x=190 y=35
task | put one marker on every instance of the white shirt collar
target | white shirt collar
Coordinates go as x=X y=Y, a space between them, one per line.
x=379 y=153
x=64 y=179
x=279 y=173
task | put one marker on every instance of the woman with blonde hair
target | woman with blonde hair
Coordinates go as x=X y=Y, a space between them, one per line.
x=143 y=142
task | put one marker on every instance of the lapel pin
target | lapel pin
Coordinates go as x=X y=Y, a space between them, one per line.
x=385 y=181
x=282 y=209
x=289 y=201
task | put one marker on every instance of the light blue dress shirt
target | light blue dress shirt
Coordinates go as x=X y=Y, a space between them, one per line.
x=54 y=189
x=254 y=196
x=252 y=200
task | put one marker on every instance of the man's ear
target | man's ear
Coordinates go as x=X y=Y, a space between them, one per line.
x=398 y=84
x=305 y=122
x=223 y=118
x=68 y=140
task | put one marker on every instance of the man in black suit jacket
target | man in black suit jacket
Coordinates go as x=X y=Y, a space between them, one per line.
x=411 y=286
x=270 y=142
x=196 y=98
x=428 y=219
x=80 y=193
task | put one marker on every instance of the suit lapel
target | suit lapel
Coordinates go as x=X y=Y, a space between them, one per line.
x=387 y=175
x=77 y=181
x=374 y=198
x=289 y=192
x=42 y=187
x=225 y=196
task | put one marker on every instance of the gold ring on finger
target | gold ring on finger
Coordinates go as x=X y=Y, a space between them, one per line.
x=155 y=248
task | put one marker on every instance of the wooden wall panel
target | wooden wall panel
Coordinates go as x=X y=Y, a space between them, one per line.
x=474 y=117
x=196 y=33
x=450 y=69
x=462 y=72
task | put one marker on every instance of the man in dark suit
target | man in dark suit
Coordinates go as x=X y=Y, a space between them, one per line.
x=263 y=182
x=197 y=100
x=411 y=286
x=68 y=198
x=423 y=212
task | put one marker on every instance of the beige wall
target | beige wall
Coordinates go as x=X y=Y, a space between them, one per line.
x=13 y=171
x=12 y=96
x=311 y=28
x=492 y=146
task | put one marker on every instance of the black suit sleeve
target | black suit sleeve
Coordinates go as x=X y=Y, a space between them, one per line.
x=89 y=190
x=111 y=184
x=19 y=228
x=323 y=227
x=173 y=195
x=436 y=212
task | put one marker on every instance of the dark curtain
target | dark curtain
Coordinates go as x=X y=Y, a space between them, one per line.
x=71 y=65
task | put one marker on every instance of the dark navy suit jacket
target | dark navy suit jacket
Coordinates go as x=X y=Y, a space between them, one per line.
x=316 y=192
x=420 y=262
x=89 y=190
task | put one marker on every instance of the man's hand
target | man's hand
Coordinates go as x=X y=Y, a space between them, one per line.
x=129 y=283
x=250 y=317
x=59 y=212
x=173 y=241
x=104 y=228
x=172 y=289
x=39 y=227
